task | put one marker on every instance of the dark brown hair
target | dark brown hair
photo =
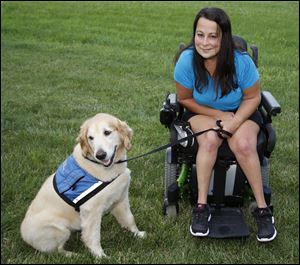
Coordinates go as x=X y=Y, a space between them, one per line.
x=225 y=70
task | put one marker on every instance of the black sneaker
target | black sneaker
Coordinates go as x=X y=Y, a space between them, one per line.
x=265 y=224
x=201 y=217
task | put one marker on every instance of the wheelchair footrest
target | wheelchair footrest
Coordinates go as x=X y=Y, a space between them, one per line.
x=227 y=222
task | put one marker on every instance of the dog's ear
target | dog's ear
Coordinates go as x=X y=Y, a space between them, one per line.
x=82 y=138
x=126 y=133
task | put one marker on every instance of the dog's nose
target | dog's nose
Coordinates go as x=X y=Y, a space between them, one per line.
x=101 y=155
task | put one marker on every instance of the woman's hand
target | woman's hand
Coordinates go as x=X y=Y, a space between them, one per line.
x=228 y=123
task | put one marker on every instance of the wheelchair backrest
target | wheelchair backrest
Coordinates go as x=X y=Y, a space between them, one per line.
x=241 y=45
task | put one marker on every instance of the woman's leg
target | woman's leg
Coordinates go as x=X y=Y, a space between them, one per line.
x=243 y=145
x=207 y=152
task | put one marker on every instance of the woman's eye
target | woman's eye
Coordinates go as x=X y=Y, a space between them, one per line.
x=91 y=137
x=106 y=133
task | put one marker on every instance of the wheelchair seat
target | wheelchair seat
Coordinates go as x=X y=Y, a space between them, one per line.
x=227 y=185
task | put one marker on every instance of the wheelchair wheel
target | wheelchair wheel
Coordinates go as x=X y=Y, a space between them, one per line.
x=170 y=176
x=265 y=172
x=171 y=190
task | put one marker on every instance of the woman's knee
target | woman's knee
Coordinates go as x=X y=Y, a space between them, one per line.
x=209 y=142
x=243 y=147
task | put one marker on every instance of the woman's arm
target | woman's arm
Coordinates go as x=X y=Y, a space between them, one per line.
x=251 y=100
x=185 y=97
x=250 y=103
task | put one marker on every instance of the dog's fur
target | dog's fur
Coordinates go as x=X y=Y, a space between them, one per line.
x=49 y=219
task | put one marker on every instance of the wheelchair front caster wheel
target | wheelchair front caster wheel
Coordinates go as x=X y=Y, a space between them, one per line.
x=252 y=207
x=171 y=210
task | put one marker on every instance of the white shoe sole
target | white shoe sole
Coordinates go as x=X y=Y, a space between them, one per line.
x=271 y=238
x=267 y=239
x=199 y=234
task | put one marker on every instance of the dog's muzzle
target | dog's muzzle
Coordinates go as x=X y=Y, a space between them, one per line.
x=101 y=157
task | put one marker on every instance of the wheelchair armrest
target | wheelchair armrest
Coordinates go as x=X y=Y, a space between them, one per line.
x=270 y=104
x=170 y=109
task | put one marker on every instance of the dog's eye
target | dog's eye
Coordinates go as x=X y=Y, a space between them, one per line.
x=91 y=137
x=106 y=132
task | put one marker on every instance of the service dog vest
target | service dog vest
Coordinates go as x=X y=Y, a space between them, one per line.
x=74 y=185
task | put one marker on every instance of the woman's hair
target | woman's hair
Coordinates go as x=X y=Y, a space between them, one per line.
x=224 y=74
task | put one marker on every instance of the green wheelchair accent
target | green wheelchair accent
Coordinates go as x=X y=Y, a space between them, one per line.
x=182 y=178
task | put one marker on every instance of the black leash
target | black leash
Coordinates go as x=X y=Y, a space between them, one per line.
x=219 y=131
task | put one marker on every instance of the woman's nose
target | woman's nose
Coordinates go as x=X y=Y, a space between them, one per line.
x=205 y=40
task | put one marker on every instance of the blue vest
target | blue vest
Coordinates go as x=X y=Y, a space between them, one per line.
x=74 y=185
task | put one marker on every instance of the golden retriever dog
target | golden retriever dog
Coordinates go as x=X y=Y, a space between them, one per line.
x=55 y=212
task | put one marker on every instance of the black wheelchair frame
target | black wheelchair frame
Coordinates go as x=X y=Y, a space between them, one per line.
x=228 y=182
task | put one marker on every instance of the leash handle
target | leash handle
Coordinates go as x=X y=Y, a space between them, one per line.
x=221 y=131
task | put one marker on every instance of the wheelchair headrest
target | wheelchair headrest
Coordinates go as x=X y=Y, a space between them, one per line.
x=240 y=43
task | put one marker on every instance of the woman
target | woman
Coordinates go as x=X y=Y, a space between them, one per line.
x=215 y=81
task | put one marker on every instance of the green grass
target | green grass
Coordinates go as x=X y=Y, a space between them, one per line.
x=62 y=62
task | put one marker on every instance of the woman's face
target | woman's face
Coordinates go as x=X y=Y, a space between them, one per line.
x=207 y=38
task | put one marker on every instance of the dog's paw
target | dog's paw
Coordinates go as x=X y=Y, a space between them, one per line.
x=141 y=234
x=100 y=254
x=103 y=256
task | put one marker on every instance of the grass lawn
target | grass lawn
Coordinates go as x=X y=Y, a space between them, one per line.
x=62 y=62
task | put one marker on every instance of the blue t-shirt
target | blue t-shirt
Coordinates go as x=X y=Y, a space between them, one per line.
x=246 y=76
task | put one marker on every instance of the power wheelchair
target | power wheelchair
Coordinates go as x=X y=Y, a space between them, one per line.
x=228 y=184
